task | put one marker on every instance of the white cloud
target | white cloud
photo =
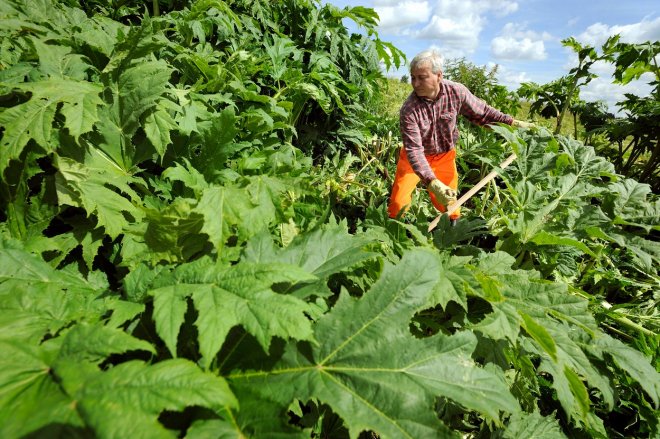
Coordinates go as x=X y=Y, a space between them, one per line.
x=519 y=30
x=511 y=48
x=573 y=21
x=509 y=78
x=456 y=24
x=602 y=89
x=454 y=33
x=501 y=8
x=603 y=69
x=395 y=17
x=519 y=43
x=598 y=33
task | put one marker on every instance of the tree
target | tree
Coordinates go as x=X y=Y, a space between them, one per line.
x=547 y=100
x=641 y=128
x=555 y=98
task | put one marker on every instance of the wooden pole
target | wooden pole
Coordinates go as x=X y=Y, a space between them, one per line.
x=454 y=206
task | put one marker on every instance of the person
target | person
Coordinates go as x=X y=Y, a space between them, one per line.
x=429 y=134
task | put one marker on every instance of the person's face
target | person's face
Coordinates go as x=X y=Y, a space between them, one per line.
x=425 y=83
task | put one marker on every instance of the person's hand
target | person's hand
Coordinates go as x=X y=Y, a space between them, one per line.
x=443 y=193
x=523 y=124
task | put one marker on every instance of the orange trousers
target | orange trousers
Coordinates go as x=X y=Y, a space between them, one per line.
x=405 y=181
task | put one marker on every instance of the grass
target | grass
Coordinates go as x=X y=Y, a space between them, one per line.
x=395 y=93
x=567 y=125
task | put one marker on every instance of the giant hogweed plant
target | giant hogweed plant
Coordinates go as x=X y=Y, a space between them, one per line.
x=565 y=213
x=169 y=266
x=248 y=340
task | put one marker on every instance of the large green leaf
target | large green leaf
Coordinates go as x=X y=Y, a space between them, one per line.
x=244 y=210
x=586 y=163
x=278 y=52
x=58 y=61
x=157 y=126
x=540 y=301
x=36 y=300
x=34 y=119
x=135 y=94
x=634 y=363
x=126 y=400
x=216 y=135
x=60 y=385
x=94 y=343
x=84 y=347
x=572 y=394
x=82 y=186
x=533 y=425
x=573 y=351
x=227 y=297
x=545 y=238
x=631 y=203
x=539 y=334
x=544 y=299
x=29 y=396
x=353 y=368
x=322 y=252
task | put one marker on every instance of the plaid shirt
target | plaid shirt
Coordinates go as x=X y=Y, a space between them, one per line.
x=429 y=126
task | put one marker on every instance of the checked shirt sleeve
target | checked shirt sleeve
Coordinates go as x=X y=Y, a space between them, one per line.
x=480 y=113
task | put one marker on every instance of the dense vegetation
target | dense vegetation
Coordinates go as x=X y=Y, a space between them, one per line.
x=631 y=141
x=194 y=243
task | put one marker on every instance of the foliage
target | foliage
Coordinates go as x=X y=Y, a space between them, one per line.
x=482 y=82
x=634 y=137
x=556 y=97
x=640 y=128
x=194 y=244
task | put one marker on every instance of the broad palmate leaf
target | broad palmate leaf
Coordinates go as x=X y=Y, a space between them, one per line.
x=37 y=300
x=244 y=210
x=126 y=400
x=59 y=384
x=87 y=187
x=322 y=252
x=229 y=296
x=370 y=369
x=39 y=384
x=136 y=93
x=29 y=396
x=633 y=362
x=533 y=425
x=78 y=102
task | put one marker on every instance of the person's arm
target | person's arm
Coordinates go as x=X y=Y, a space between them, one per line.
x=480 y=113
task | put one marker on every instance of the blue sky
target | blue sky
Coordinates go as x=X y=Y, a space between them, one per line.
x=522 y=37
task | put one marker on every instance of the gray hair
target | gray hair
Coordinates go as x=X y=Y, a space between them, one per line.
x=431 y=57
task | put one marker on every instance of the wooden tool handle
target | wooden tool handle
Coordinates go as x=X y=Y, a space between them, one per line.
x=454 y=206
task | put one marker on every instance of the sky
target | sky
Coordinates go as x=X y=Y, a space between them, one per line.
x=521 y=37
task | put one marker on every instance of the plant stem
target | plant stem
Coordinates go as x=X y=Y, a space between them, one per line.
x=625 y=321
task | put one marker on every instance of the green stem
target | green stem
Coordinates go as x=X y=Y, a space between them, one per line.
x=625 y=321
x=566 y=104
